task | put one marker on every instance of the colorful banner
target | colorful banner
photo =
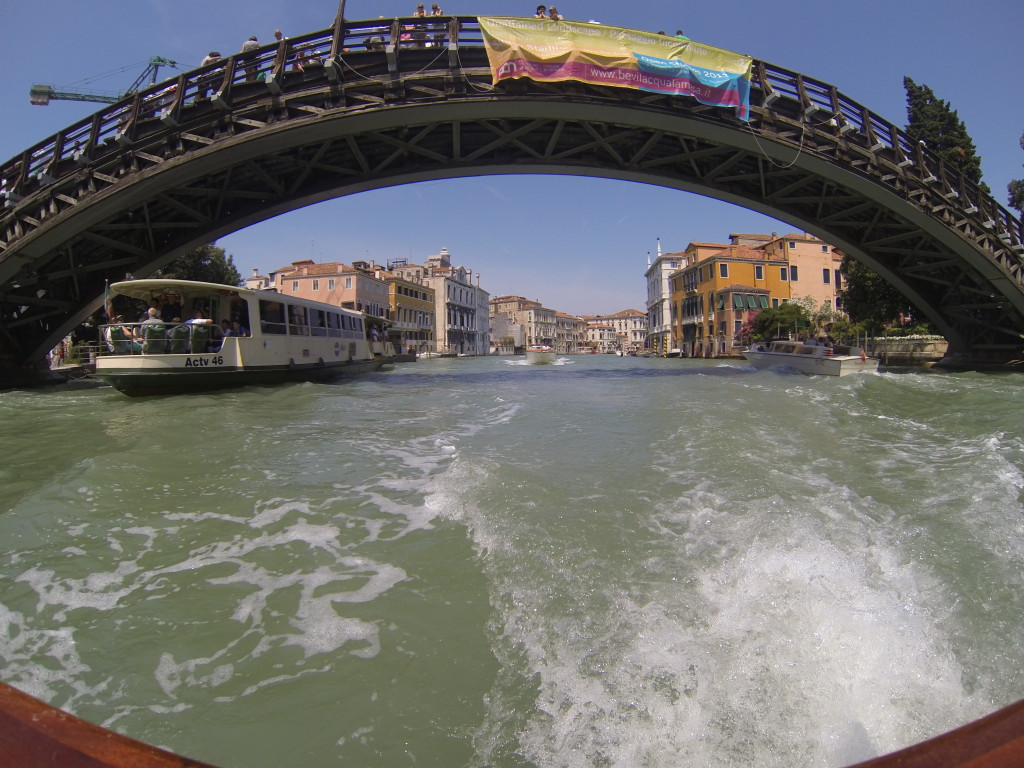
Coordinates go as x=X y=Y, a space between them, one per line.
x=551 y=51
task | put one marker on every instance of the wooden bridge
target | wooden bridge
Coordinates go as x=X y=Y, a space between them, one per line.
x=225 y=146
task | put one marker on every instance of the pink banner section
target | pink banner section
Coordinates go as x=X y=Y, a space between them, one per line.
x=629 y=78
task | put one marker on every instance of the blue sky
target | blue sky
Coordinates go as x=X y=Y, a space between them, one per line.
x=577 y=245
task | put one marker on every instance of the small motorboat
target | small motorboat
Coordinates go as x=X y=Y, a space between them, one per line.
x=811 y=357
x=540 y=354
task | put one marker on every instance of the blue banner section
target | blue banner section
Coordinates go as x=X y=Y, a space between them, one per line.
x=708 y=86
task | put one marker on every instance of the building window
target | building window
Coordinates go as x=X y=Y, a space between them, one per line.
x=792 y=243
x=826 y=276
x=330 y=284
x=348 y=283
x=723 y=269
x=824 y=249
x=783 y=274
x=775 y=303
x=792 y=273
x=839 y=280
x=758 y=272
x=295 y=286
x=316 y=285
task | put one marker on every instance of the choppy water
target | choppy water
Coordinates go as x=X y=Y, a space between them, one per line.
x=607 y=562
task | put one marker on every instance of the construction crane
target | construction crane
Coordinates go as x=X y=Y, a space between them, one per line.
x=41 y=95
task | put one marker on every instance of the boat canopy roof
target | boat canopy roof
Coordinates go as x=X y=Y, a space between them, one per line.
x=150 y=288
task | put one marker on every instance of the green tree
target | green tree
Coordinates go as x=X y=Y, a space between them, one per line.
x=933 y=121
x=867 y=298
x=207 y=263
x=780 y=321
x=1016 y=189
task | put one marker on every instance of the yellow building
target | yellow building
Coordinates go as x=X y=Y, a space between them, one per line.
x=714 y=298
x=718 y=293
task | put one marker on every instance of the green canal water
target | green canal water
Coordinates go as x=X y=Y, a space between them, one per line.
x=474 y=562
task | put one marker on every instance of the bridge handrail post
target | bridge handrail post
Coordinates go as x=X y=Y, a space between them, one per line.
x=338 y=35
x=126 y=127
x=453 y=44
x=277 y=69
x=222 y=95
x=169 y=114
x=768 y=93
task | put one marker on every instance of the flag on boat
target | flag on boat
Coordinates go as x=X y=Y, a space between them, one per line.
x=552 y=51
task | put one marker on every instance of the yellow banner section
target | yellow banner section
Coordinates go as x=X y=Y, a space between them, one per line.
x=551 y=51
x=604 y=46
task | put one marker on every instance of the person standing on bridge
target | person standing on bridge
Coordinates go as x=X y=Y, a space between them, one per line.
x=542 y=12
x=419 y=30
x=205 y=81
x=249 y=57
x=435 y=10
x=553 y=14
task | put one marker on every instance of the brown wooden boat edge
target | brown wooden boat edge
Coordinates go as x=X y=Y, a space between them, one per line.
x=994 y=741
x=35 y=735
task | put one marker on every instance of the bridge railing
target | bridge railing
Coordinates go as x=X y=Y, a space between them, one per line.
x=818 y=106
x=246 y=78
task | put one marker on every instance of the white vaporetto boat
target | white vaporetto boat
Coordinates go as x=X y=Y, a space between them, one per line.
x=811 y=358
x=291 y=339
x=540 y=354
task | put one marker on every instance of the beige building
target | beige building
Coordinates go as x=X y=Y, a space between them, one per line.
x=352 y=286
x=536 y=321
x=659 y=299
x=411 y=308
x=570 y=334
x=630 y=328
x=601 y=337
x=461 y=317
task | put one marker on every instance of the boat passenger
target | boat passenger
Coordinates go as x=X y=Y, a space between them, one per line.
x=237 y=329
x=170 y=308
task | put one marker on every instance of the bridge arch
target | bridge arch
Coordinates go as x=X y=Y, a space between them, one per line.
x=142 y=181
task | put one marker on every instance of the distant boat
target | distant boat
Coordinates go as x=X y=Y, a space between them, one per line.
x=291 y=339
x=811 y=358
x=540 y=354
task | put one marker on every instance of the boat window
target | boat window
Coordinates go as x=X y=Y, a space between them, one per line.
x=272 y=317
x=240 y=312
x=333 y=324
x=318 y=326
x=807 y=350
x=298 y=321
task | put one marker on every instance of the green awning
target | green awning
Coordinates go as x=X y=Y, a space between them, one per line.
x=763 y=300
x=737 y=301
x=751 y=301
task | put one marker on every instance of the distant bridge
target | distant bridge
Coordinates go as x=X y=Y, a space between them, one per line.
x=144 y=180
